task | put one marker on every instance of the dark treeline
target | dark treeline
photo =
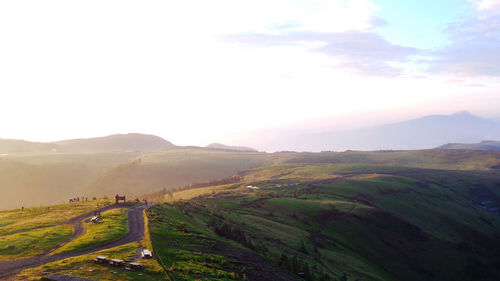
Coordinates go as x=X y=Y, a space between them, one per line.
x=159 y=195
x=233 y=179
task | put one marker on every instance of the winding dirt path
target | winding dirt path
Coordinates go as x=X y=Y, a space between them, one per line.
x=8 y=269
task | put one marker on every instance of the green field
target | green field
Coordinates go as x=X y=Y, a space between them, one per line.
x=335 y=222
x=112 y=226
x=83 y=266
x=12 y=221
x=54 y=178
x=34 y=242
x=314 y=216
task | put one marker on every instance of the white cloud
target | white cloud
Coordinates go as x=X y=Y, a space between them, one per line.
x=488 y=6
x=87 y=68
x=475 y=42
x=365 y=53
x=232 y=16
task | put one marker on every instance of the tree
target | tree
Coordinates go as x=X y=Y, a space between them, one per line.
x=303 y=247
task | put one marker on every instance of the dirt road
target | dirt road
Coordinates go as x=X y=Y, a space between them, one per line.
x=136 y=232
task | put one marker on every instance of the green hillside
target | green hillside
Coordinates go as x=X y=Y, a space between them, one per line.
x=112 y=143
x=33 y=180
x=44 y=179
x=183 y=166
x=285 y=216
x=335 y=222
x=175 y=167
x=484 y=145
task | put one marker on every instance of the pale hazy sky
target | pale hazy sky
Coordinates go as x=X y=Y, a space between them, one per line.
x=196 y=72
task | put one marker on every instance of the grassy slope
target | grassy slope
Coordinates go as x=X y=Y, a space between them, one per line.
x=112 y=226
x=175 y=167
x=32 y=243
x=430 y=159
x=12 y=221
x=189 y=250
x=359 y=221
x=33 y=180
x=83 y=266
x=183 y=166
x=53 y=178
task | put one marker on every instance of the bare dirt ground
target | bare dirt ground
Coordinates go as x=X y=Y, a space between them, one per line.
x=136 y=233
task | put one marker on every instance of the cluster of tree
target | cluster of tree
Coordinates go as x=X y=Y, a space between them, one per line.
x=303 y=269
x=159 y=195
x=229 y=180
x=232 y=231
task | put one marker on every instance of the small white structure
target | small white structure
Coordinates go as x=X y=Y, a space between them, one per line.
x=117 y=262
x=146 y=254
x=101 y=259
x=135 y=265
x=252 y=187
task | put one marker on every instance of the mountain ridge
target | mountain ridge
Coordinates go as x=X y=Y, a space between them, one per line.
x=231 y=147
x=483 y=145
x=110 y=143
x=426 y=132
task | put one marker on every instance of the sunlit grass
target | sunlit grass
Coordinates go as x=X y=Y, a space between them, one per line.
x=31 y=218
x=32 y=243
x=83 y=266
x=112 y=226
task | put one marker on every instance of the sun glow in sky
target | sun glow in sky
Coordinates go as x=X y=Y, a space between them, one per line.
x=196 y=72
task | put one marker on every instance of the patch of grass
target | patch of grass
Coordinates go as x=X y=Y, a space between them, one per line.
x=180 y=248
x=31 y=218
x=342 y=222
x=32 y=243
x=112 y=226
x=83 y=266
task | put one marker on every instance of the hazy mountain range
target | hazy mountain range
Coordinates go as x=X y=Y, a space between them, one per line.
x=484 y=145
x=230 y=147
x=422 y=133
x=132 y=142
x=112 y=143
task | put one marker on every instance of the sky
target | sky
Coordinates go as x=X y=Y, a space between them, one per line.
x=196 y=72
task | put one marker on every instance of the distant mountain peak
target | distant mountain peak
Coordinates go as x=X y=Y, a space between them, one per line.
x=116 y=142
x=421 y=133
x=112 y=143
x=463 y=113
x=230 y=147
x=483 y=145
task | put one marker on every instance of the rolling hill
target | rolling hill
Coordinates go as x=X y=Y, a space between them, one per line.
x=422 y=133
x=55 y=177
x=34 y=180
x=173 y=168
x=484 y=145
x=115 y=143
x=337 y=222
x=230 y=147
x=112 y=143
x=8 y=146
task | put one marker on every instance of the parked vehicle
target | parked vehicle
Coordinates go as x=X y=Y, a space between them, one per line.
x=94 y=219
x=146 y=254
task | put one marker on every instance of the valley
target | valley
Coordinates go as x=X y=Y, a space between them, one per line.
x=221 y=214
x=54 y=178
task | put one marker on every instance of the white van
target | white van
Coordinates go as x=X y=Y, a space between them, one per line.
x=146 y=254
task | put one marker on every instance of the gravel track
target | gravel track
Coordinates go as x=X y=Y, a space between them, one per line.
x=8 y=269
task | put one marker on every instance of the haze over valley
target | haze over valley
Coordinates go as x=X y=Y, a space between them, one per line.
x=137 y=164
x=233 y=140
